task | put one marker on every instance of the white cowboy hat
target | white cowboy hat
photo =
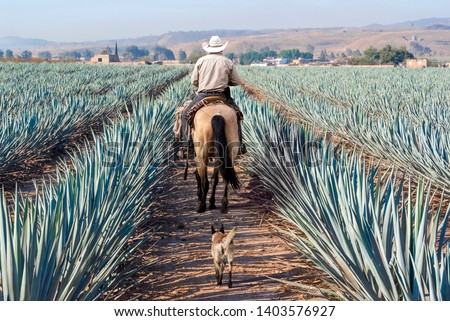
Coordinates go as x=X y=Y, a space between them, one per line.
x=215 y=45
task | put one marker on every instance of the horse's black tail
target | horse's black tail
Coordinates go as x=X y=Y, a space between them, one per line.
x=220 y=140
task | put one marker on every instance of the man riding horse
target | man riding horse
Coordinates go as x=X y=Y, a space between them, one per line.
x=214 y=123
x=212 y=75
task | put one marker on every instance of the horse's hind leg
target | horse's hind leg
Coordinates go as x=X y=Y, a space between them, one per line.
x=224 y=209
x=202 y=188
x=212 y=199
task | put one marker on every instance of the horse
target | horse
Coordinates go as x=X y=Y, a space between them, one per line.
x=215 y=135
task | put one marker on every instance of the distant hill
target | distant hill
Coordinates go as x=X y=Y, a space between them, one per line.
x=170 y=38
x=438 y=27
x=432 y=33
x=15 y=43
x=422 y=23
x=193 y=36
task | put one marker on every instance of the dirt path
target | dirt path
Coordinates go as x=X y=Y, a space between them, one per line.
x=185 y=270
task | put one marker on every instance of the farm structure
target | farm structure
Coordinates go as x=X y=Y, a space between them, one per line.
x=106 y=58
x=416 y=63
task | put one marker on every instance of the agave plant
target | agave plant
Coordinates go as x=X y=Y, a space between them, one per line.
x=401 y=122
x=68 y=243
x=52 y=104
x=376 y=241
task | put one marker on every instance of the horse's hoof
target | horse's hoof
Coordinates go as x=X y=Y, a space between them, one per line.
x=224 y=211
x=201 y=209
x=212 y=206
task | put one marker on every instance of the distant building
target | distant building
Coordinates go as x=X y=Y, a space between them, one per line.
x=272 y=61
x=416 y=63
x=106 y=58
x=261 y=64
x=301 y=61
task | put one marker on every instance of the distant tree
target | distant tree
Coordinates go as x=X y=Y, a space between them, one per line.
x=182 y=55
x=323 y=55
x=230 y=55
x=348 y=52
x=45 y=55
x=134 y=53
x=357 y=53
x=9 y=53
x=396 y=56
x=332 y=55
x=108 y=51
x=310 y=48
x=195 y=55
x=2 y=54
x=306 y=55
x=290 y=54
x=250 y=57
x=387 y=55
x=294 y=54
x=342 y=56
x=162 y=53
x=86 y=54
x=26 y=54
x=266 y=52
x=372 y=54
x=71 y=55
x=255 y=56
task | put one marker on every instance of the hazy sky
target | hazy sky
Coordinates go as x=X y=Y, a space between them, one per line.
x=82 y=20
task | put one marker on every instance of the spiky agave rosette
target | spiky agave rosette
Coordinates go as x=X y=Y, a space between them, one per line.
x=374 y=239
x=68 y=242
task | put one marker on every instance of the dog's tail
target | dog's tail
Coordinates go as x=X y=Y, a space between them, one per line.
x=226 y=165
x=229 y=237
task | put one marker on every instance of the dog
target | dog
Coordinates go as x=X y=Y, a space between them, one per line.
x=222 y=250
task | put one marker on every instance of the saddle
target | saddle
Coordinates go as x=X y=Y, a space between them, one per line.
x=209 y=101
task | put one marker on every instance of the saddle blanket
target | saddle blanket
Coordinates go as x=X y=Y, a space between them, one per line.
x=209 y=101
x=178 y=126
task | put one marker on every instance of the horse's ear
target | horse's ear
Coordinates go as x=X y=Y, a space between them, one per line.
x=222 y=229
x=213 y=230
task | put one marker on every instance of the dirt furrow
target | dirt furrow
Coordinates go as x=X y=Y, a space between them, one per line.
x=182 y=246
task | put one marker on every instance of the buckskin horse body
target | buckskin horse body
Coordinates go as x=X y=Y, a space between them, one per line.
x=215 y=135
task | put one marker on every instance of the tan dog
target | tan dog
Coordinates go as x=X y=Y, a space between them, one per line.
x=222 y=250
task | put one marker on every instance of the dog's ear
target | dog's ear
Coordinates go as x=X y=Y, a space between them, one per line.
x=222 y=229
x=213 y=230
